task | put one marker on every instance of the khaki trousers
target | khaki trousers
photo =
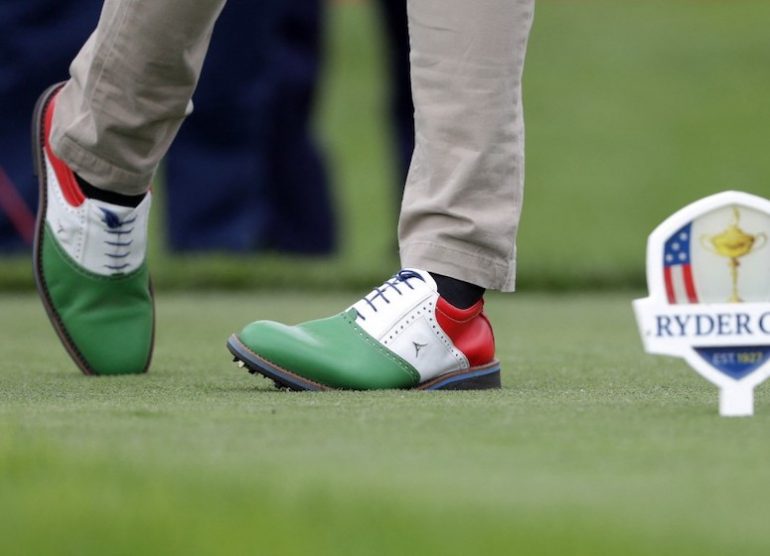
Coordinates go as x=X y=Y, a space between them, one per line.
x=132 y=82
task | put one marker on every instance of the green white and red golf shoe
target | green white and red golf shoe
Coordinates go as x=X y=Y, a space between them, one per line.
x=401 y=335
x=90 y=267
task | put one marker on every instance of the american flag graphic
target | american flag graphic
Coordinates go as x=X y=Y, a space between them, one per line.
x=677 y=269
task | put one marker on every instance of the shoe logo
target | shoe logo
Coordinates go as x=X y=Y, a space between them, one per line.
x=59 y=227
x=111 y=219
x=417 y=348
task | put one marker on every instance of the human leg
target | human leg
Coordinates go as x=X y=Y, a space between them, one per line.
x=463 y=195
x=130 y=90
x=459 y=220
x=111 y=124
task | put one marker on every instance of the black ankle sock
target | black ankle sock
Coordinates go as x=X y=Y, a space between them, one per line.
x=460 y=294
x=108 y=196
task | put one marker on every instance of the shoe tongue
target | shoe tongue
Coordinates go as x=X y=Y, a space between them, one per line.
x=425 y=275
x=111 y=212
x=114 y=216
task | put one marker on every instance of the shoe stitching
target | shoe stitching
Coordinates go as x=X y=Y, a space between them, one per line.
x=405 y=367
x=81 y=215
x=426 y=307
x=86 y=273
x=78 y=213
x=441 y=335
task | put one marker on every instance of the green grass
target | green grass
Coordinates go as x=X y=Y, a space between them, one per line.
x=591 y=447
x=633 y=109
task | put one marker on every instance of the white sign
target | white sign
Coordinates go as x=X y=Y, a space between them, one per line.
x=708 y=276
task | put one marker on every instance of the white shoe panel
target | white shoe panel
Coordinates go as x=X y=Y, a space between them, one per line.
x=116 y=237
x=67 y=223
x=103 y=238
x=420 y=341
x=406 y=324
x=401 y=299
x=390 y=314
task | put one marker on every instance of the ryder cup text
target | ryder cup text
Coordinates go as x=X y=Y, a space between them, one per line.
x=715 y=324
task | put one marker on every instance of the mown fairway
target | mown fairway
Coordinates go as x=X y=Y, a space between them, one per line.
x=591 y=447
x=634 y=108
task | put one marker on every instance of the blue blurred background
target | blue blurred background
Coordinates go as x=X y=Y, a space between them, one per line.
x=245 y=172
x=289 y=172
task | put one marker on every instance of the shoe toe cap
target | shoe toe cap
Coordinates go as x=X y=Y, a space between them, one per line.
x=333 y=352
x=106 y=323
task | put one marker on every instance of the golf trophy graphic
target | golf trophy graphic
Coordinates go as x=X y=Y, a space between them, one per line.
x=714 y=315
x=734 y=243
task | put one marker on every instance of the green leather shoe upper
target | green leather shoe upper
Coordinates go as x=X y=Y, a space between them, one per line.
x=110 y=319
x=334 y=351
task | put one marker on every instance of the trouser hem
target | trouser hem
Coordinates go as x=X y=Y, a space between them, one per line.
x=476 y=268
x=97 y=171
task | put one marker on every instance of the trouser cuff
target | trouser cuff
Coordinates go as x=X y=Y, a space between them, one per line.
x=476 y=268
x=97 y=171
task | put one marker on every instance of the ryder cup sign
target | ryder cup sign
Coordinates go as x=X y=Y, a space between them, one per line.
x=708 y=275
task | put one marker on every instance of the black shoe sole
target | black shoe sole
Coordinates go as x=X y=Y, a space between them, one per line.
x=486 y=377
